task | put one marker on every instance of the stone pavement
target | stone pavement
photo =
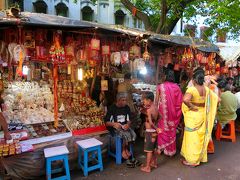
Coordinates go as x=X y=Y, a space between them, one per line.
x=223 y=165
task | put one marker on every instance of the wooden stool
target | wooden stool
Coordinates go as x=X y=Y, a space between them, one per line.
x=229 y=134
x=86 y=147
x=118 y=149
x=56 y=154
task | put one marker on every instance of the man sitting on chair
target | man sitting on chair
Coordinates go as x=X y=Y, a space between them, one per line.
x=118 y=121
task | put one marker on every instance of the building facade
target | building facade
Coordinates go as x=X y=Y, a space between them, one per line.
x=101 y=11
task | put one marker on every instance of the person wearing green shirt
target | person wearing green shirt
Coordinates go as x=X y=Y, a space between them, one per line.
x=228 y=106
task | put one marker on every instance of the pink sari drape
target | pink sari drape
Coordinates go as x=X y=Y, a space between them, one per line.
x=170 y=101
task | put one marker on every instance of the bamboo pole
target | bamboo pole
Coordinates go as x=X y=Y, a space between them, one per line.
x=55 y=92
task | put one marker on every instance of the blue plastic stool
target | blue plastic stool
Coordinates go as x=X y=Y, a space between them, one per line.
x=118 y=146
x=89 y=146
x=55 y=154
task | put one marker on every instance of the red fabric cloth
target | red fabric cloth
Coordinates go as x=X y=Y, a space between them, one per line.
x=170 y=101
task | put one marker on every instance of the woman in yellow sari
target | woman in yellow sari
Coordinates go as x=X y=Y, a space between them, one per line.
x=199 y=110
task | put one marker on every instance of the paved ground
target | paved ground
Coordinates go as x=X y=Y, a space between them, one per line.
x=223 y=165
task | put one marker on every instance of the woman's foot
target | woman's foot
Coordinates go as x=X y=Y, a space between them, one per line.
x=146 y=169
x=153 y=165
x=184 y=162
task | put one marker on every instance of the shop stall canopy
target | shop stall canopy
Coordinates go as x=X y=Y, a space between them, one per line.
x=184 y=41
x=229 y=53
x=46 y=20
x=52 y=21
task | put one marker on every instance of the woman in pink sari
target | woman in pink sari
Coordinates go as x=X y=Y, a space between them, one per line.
x=169 y=101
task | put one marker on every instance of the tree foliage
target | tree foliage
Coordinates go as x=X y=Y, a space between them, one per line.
x=219 y=14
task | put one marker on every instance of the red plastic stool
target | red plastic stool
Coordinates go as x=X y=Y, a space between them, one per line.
x=229 y=134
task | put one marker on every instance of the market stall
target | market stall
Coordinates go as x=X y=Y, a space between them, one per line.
x=50 y=69
x=231 y=55
x=58 y=75
x=186 y=53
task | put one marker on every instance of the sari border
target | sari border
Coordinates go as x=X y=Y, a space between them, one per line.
x=164 y=106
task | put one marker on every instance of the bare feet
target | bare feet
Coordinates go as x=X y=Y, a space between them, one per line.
x=128 y=153
x=124 y=155
x=146 y=169
x=153 y=164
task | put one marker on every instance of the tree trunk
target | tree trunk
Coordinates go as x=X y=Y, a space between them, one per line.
x=162 y=23
x=140 y=15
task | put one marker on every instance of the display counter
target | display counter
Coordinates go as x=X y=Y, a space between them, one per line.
x=31 y=165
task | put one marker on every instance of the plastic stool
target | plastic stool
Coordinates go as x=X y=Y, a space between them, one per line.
x=86 y=147
x=56 y=154
x=229 y=134
x=210 y=148
x=118 y=146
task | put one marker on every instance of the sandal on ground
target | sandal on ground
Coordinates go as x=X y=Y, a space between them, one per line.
x=137 y=162
x=184 y=162
x=130 y=164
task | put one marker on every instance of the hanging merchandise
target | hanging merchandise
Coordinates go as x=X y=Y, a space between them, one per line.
x=81 y=56
x=57 y=52
x=184 y=57
x=4 y=53
x=146 y=55
x=19 y=56
x=69 y=49
x=95 y=44
x=124 y=57
x=139 y=64
x=190 y=56
x=94 y=58
x=104 y=85
x=11 y=47
x=16 y=53
x=116 y=58
x=134 y=52
x=105 y=50
x=224 y=70
x=199 y=57
x=204 y=60
x=88 y=73
x=218 y=69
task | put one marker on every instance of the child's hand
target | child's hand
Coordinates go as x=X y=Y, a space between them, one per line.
x=159 y=130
